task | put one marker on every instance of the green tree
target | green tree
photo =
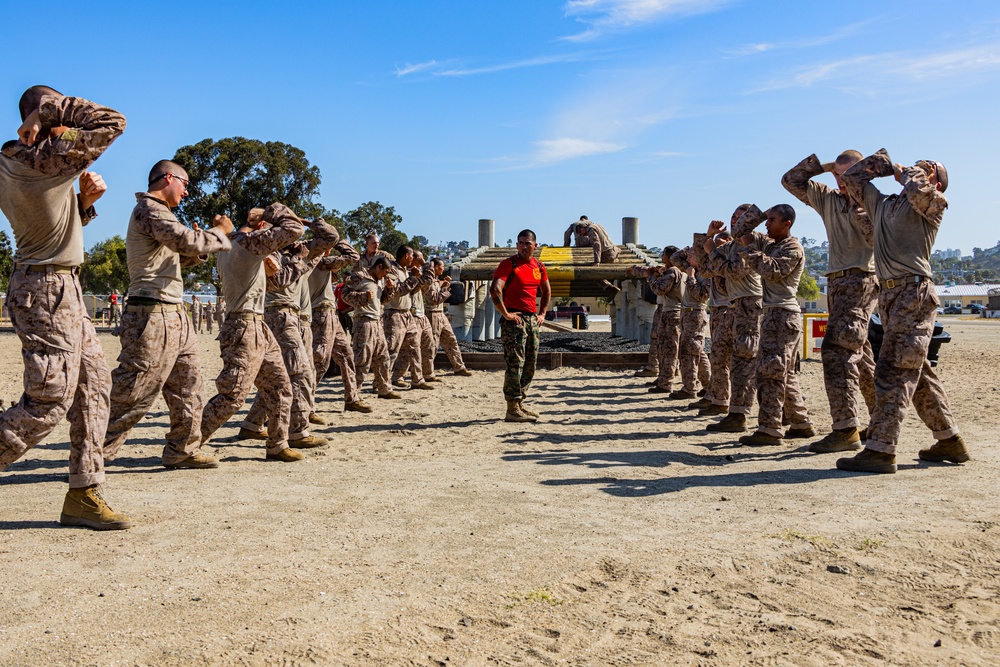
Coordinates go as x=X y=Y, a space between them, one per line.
x=105 y=268
x=233 y=175
x=6 y=261
x=808 y=289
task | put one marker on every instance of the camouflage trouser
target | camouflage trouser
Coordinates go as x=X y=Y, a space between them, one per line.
x=329 y=342
x=520 y=352
x=694 y=362
x=428 y=350
x=604 y=255
x=371 y=351
x=653 y=360
x=208 y=322
x=670 y=342
x=159 y=354
x=197 y=321
x=778 y=389
x=250 y=356
x=902 y=372
x=848 y=363
x=721 y=357
x=305 y=328
x=65 y=374
x=286 y=327
x=444 y=337
x=747 y=312
x=403 y=338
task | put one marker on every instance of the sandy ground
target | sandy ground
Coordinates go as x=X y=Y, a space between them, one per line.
x=614 y=532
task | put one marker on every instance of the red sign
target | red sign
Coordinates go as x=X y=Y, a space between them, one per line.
x=819 y=328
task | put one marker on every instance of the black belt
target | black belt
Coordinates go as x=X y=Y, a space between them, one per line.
x=846 y=272
x=893 y=283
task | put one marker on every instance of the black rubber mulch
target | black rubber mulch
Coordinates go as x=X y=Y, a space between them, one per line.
x=582 y=341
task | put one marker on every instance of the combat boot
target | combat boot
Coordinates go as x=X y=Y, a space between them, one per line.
x=514 y=413
x=760 y=439
x=87 y=508
x=951 y=449
x=422 y=385
x=286 y=456
x=646 y=373
x=357 y=406
x=433 y=379
x=308 y=442
x=316 y=419
x=712 y=410
x=195 y=461
x=869 y=460
x=400 y=383
x=807 y=432
x=838 y=440
x=681 y=395
x=390 y=395
x=659 y=389
x=734 y=422
x=525 y=410
x=700 y=404
x=464 y=372
x=247 y=434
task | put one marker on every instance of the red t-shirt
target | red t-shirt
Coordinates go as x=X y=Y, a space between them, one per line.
x=521 y=282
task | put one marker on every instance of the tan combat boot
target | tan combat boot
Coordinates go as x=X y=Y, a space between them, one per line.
x=514 y=413
x=734 y=422
x=712 y=409
x=316 y=419
x=87 y=508
x=308 y=442
x=838 y=440
x=195 y=461
x=681 y=395
x=646 y=373
x=951 y=449
x=464 y=372
x=869 y=460
x=807 y=432
x=760 y=439
x=423 y=385
x=247 y=434
x=700 y=404
x=357 y=406
x=525 y=410
x=286 y=456
x=391 y=395
x=433 y=379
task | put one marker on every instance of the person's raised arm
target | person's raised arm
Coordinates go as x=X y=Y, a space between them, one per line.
x=91 y=129
x=857 y=180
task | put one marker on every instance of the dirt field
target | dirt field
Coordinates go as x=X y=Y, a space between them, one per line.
x=614 y=532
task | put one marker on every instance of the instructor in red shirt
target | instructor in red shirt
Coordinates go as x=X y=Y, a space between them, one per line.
x=516 y=284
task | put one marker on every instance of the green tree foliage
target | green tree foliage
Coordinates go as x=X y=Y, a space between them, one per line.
x=105 y=268
x=233 y=175
x=6 y=261
x=808 y=289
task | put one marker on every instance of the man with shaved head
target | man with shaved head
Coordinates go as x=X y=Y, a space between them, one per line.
x=904 y=229
x=852 y=289
x=65 y=372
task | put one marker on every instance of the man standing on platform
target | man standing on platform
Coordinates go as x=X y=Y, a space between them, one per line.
x=515 y=289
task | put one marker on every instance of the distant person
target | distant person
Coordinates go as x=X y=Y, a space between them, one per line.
x=437 y=294
x=668 y=283
x=576 y=235
x=367 y=289
x=65 y=372
x=401 y=331
x=696 y=374
x=372 y=251
x=852 y=291
x=196 y=313
x=517 y=283
x=905 y=226
x=209 y=312
x=595 y=236
x=114 y=309
x=159 y=345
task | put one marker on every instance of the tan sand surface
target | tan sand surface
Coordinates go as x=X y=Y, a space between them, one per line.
x=615 y=531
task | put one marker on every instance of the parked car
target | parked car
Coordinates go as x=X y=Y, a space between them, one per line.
x=938 y=338
x=953 y=310
x=940 y=311
x=976 y=308
x=578 y=315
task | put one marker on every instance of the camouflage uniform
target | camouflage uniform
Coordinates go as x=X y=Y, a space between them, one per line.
x=905 y=227
x=425 y=333
x=367 y=295
x=852 y=289
x=520 y=353
x=695 y=368
x=780 y=265
x=196 y=314
x=402 y=334
x=159 y=346
x=329 y=340
x=578 y=239
x=283 y=316
x=669 y=289
x=443 y=336
x=250 y=354
x=209 y=311
x=744 y=290
x=605 y=251
x=720 y=328
x=65 y=372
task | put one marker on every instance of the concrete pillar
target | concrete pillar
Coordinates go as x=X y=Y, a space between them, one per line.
x=630 y=230
x=485 y=233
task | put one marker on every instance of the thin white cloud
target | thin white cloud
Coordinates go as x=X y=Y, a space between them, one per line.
x=413 y=69
x=568 y=148
x=957 y=67
x=809 y=42
x=603 y=15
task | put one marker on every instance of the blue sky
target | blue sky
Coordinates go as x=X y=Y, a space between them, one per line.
x=533 y=112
